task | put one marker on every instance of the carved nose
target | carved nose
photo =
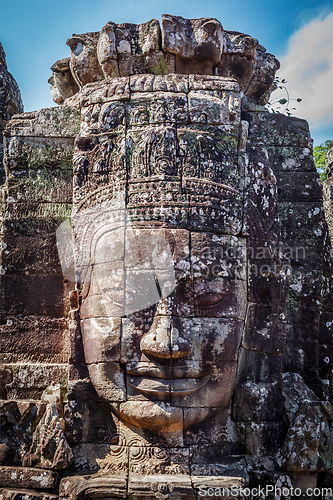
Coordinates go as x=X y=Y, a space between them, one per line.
x=165 y=339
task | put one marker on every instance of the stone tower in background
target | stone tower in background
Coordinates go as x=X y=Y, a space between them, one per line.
x=10 y=102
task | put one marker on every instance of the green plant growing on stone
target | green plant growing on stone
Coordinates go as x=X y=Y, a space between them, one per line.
x=282 y=103
x=161 y=68
x=319 y=155
x=63 y=384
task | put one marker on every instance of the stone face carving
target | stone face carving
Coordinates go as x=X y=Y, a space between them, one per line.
x=164 y=337
x=178 y=46
x=10 y=102
x=193 y=280
x=196 y=43
x=62 y=81
x=10 y=97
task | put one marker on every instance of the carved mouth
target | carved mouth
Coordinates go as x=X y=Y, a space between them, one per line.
x=193 y=370
x=175 y=386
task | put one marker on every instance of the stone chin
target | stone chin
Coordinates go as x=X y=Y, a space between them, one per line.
x=186 y=406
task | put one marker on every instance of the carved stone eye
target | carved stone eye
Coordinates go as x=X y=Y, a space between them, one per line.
x=209 y=299
x=85 y=143
x=76 y=45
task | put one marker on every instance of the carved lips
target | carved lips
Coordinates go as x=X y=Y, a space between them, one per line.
x=178 y=380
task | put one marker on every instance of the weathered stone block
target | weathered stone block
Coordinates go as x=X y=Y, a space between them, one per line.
x=213 y=215
x=263 y=439
x=291 y=159
x=61 y=121
x=209 y=107
x=303 y=357
x=265 y=329
x=218 y=256
x=258 y=367
x=326 y=328
x=259 y=402
x=109 y=380
x=33 y=153
x=303 y=253
x=73 y=486
x=24 y=477
x=157 y=107
x=101 y=339
x=91 y=457
x=30 y=380
x=294 y=186
x=33 y=254
x=15 y=494
x=35 y=222
x=303 y=323
x=208 y=460
x=117 y=89
x=301 y=220
x=37 y=211
x=175 y=486
x=304 y=288
x=207 y=158
x=89 y=421
x=33 y=339
x=280 y=130
x=34 y=295
x=43 y=186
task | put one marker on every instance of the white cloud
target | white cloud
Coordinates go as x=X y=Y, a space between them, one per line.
x=308 y=68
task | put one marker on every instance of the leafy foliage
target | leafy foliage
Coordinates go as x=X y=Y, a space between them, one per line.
x=282 y=103
x=319 y=154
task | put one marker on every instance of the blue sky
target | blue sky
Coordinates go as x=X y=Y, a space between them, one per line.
x=298 y=32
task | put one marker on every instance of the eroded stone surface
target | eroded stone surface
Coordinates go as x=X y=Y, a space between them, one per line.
x=10 y=102
x=177 y=46
x=195 y=271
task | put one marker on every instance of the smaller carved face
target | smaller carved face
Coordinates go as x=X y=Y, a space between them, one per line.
x=162 y=322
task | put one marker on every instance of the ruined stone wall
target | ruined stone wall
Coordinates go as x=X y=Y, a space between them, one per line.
x=35 y=199
x=305 y=235
x=193 y=155
x=327 y=188
x=10 y=102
